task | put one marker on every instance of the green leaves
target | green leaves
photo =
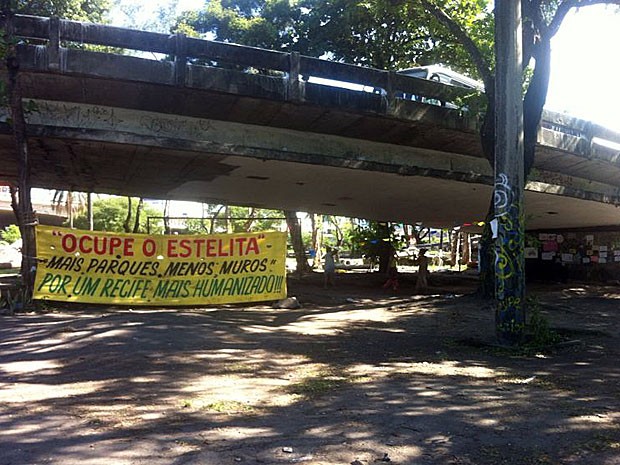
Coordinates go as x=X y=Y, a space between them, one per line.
x=78 y=10
x=109 y=214
x=384 y=34
x=10 y=234
x=263 y=23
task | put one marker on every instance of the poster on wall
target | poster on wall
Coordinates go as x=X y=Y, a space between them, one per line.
x=138 y=269
x=550 y=246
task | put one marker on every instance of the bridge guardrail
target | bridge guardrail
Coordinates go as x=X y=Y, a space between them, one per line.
x=182 y=50
x=54 y=31
x=599 y=140
x=49 y=29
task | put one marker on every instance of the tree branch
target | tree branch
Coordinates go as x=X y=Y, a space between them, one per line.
x=478 y=58
x=136 y=225
x=532 y=20
x=15 y=205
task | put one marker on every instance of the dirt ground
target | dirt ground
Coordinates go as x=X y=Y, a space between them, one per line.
x=355 y=376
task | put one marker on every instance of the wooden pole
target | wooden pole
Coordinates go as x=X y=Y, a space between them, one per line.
x=509 y=175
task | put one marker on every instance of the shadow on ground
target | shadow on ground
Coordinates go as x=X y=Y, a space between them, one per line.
x=355 y=376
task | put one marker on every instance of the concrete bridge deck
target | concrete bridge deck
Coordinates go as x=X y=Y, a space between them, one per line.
x=215 y=122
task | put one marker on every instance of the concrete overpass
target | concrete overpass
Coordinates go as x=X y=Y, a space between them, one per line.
x=198 y=120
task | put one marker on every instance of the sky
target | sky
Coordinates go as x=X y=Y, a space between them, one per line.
x=585 y=66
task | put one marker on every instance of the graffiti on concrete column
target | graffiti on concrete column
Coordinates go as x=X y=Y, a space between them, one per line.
x=502 y=195
x=509 y=256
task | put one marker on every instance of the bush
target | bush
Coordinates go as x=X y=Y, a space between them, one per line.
x=539 y=335
x=10 y=234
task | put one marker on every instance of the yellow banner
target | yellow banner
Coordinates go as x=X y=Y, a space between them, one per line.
x=137 y=269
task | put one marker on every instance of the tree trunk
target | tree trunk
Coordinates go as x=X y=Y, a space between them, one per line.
x=486 y=283
x=202 y=217
x=415 y=234
x=454 y=247
x=407 y=234
x=317 y=238
x=127 y=223
x=166 y=219
x=384 y=247
x=294 y=228
x=70 y=208
x=228 y=223
x=250 y=220
x=534 y=102
x=91 y=219
x=486 y=246
x=466 y=258
x=214 y=218
x=136 y=225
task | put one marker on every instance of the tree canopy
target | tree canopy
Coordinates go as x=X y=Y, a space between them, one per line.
x=78 y=10
x=384 y=34
x=110 y=213
x=10 y=234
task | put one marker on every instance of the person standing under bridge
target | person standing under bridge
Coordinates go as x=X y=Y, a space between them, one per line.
x=422 y=282
x=392 y=271
x=329 y=267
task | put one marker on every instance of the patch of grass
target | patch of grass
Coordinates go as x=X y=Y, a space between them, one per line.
x=187 y=403
x=540 y=337
x=317 y=385
x=219 y=406
x=238 y=367
x=361 y=379
x=228 y=406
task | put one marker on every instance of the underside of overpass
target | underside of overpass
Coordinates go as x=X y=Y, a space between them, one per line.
x=138 y=165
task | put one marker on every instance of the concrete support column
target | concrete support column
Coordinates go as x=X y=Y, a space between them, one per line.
x=180 y=59
x=509 y=175
x=53 y=45
x=295 y=92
